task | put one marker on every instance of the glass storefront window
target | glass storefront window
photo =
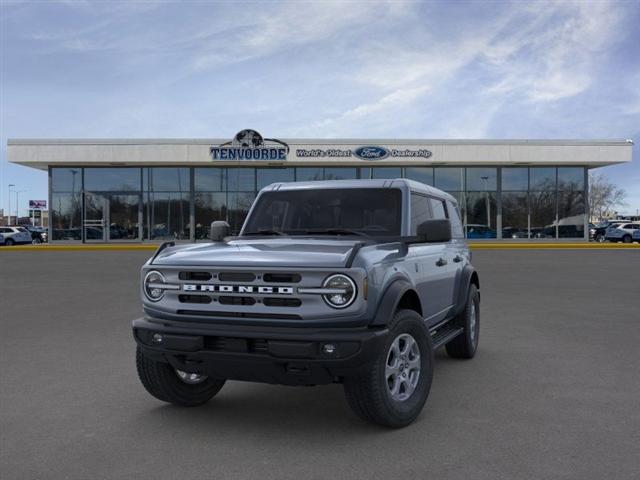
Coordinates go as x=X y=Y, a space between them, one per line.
x=381 y=172
x=167 y=215
x=340 y=173
x=543 y=214
x=449 y=179
x=166 y=179
x=419 y=174
x=542 y=178
x=66 y=179
x=571 y=178
x=515 y=215
x=309 y=174
x=571 y=211
x=112 y=179
x=241 y=179
x=66 y=218
x=537 y=202
x=482 y=179
x=209 y=207
x=211 y=179
x=267 y=176
x=481 y=215
x=516 y=179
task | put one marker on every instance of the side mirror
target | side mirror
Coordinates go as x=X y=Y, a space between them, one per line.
x=219 y=230
x=434 y=231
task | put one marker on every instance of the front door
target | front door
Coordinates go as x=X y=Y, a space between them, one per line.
x=112 y=217
x=96 y=209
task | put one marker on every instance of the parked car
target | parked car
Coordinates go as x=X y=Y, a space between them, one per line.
x=1 y=239
x=599 y=231
x=38 y=234
x=635 y=236
x=622 y=232
x=514 y=232
x=479 y=231
x=15 y=235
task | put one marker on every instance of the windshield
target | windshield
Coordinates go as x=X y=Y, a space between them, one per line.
x=353 y=211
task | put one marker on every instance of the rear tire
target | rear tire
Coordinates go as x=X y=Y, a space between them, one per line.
x=393 y=389
x=626 y=239
x=466 y=344
x=162 y=381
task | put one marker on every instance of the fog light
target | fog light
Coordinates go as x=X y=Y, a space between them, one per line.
x=328 y=348
x=157 y=338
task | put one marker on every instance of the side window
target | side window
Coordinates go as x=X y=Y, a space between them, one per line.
x=420 y=211
x=437 y=207
x=456 y=223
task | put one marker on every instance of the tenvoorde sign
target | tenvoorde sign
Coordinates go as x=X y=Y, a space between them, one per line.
x=249 y=145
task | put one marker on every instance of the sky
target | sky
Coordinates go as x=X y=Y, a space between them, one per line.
x=375 y=69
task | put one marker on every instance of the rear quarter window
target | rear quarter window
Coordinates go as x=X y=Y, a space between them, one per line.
x=456 y=222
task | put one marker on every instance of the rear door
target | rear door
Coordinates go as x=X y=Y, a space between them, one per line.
x=434 y=267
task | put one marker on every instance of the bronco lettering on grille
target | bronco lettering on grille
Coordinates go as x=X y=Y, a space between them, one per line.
x=189 y=287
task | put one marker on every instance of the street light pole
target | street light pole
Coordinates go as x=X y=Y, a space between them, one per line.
x=18 y=192
x=9 y=214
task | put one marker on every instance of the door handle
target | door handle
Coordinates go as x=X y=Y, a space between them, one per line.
x=457 y=259
x=441 y=262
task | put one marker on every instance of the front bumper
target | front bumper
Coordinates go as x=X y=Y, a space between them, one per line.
x=279 y=355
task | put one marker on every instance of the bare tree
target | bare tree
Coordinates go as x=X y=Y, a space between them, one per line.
x=604 y=196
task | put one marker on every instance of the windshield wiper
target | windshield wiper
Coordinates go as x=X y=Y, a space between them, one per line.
x=264 y=232
x=335 y=231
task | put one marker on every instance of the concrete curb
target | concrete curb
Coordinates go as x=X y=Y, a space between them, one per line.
x=472 y=245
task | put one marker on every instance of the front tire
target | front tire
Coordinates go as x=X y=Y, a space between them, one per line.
x=466 y=344
x=394 y=387
x=599 y=238
x=173 y=386
x=9 y=242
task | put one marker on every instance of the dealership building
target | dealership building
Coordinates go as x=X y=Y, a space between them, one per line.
x=132 y=190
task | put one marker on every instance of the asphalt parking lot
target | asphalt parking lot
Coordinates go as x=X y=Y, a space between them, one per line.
x=552 y=393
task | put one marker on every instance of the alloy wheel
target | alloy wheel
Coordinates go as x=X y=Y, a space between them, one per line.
x=402 y=367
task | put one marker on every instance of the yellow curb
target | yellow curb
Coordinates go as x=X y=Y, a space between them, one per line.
x=553 y=246
x=79 y=247
x=472 y=245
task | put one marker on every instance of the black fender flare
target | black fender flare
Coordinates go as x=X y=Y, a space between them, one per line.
x=465 y=279
x=390 y=300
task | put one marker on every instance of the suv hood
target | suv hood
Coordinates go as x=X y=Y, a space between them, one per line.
x=261 y=252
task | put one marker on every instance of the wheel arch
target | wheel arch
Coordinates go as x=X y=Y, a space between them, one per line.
x=467 y=277
x=399 y=294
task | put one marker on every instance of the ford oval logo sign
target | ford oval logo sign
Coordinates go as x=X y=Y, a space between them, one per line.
x=371 y=153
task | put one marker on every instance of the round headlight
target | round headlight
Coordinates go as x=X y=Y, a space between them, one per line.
x=344 y=291
x=150 y=287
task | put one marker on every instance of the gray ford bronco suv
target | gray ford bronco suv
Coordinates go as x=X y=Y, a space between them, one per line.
x=352 y=281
